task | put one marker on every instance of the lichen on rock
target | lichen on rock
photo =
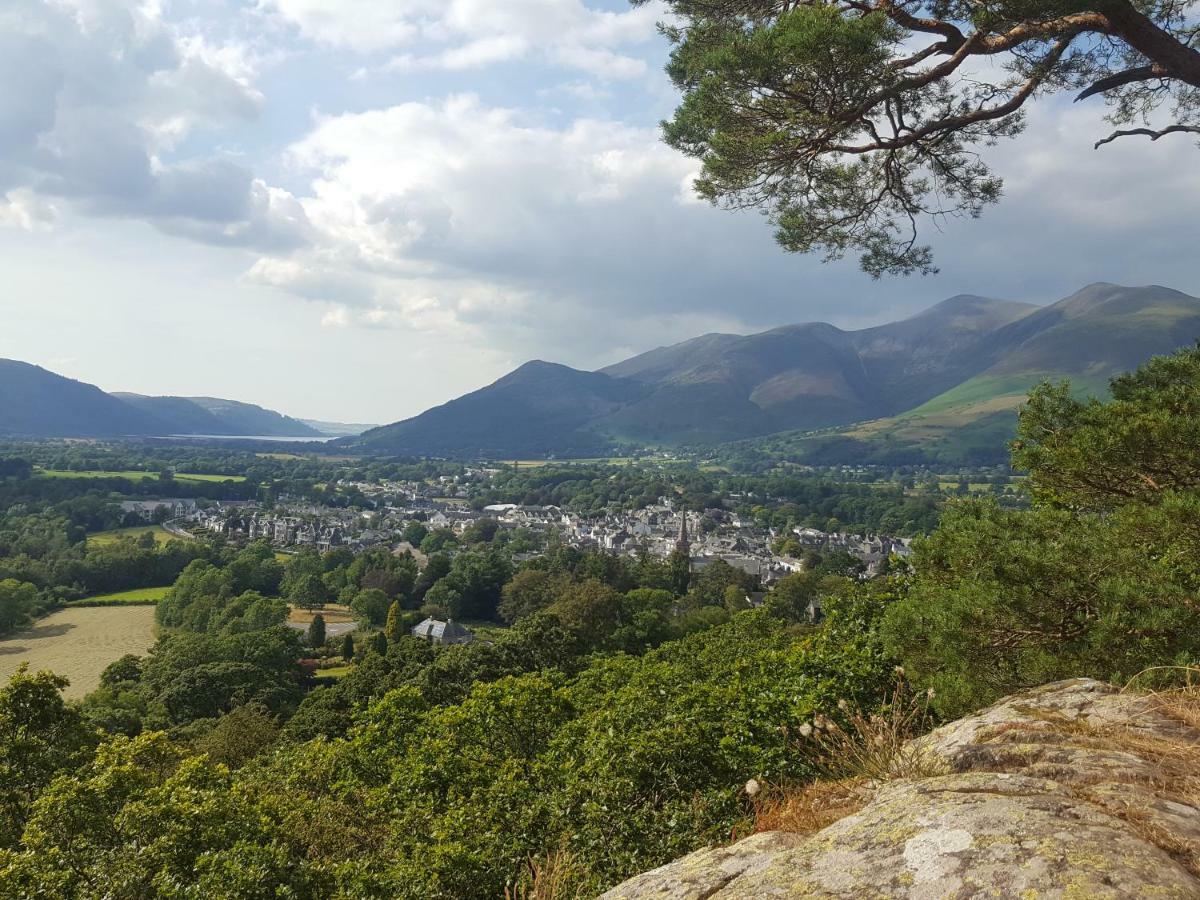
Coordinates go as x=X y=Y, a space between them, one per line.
x=1069 y=791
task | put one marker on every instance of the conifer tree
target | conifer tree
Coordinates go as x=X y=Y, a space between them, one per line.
x=316 y=631
x=394 y=629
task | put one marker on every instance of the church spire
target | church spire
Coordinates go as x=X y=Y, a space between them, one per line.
x=683 y=545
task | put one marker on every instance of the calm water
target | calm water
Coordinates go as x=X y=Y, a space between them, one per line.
x=325 y=438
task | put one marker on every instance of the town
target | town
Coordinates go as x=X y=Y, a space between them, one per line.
x=767 y=554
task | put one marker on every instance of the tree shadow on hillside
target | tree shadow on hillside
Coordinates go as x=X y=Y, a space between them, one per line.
x=37 y=633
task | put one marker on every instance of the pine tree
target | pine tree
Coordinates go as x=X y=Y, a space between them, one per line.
x=348 y=647
x=316 y=631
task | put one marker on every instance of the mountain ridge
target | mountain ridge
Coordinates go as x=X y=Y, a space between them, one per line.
x=720 y=388
x=35 y=402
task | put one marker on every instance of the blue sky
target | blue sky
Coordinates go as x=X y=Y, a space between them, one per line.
x=355 y=210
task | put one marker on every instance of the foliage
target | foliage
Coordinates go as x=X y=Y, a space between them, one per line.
x=40 y=737
x=18 y=600
x=316 y=631
x=1099 y=578
x=1135 y=447
x=849 y=120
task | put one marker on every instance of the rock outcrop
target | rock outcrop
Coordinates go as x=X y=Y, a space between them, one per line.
x=1074 y=790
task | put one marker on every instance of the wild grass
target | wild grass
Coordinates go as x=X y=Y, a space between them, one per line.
x=556 y=876
x=876 y=746
x=809 y=808
x=854 y=753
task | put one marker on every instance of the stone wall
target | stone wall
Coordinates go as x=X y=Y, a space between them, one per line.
x=1074 y=790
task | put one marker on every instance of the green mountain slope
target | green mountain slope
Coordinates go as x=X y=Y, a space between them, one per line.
x=1087 y=338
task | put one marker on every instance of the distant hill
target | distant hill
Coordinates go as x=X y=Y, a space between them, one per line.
x=35 y=402
x=338 y=429
x=953 y=374
x=539 y=409
x=724 y=387
x=1101 y=331
x=210 y=415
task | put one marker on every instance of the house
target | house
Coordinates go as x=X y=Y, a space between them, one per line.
x=438 y=632
x=148 y=510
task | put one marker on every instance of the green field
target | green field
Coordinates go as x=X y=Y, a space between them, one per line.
x=136 y=597
x=161 y=535
x=137 y=475
x=78 y=643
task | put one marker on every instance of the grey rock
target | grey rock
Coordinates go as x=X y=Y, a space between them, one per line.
x=1063 y=792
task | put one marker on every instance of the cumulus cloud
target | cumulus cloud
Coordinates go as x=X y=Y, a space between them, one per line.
x=490 y=224
x=470 y=34
x=483 y=232
x=108 y=93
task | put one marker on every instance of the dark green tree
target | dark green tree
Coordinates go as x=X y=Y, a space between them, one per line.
x=316 y=631
x=680 y=566
x=348 y=647
x=17 y=602
x=851 y=120
x=1141 y=444
x=309 y=592
x=1098 y=579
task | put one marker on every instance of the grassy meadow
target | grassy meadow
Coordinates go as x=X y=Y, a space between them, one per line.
x=78 y=643
x=136 y=597
x=161 y=535
x=137 y=475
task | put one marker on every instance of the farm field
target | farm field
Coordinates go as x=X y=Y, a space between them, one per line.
x=136 y=597
x=137 y=475
x=78 y=643
x=161 y=535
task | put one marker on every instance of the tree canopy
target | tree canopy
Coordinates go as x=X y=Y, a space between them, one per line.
x=849 y=121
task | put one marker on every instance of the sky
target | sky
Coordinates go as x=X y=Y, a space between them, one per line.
x=352 y=210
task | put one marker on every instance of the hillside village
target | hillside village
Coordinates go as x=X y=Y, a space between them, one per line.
x=657 y=530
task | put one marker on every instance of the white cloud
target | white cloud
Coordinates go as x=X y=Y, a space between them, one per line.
x=109 y=93
x=469 y=34
x=22 y=208
x=458 y=214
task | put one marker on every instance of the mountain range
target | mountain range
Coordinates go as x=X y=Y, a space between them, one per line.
x=950 y=377
x=35 y=402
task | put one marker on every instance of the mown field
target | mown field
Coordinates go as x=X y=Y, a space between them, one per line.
x=161 y=535
x=137 y=475
x=78 y=643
